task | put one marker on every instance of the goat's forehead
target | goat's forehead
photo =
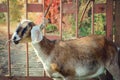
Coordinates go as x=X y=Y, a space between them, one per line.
x=22 y=25
x=25 y=21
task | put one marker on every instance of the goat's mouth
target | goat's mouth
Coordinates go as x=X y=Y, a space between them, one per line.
x=16 y=42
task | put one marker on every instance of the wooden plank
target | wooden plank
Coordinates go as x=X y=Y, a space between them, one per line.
x=53 y=37
x=100 y=8
x=24 y=78
x=34 y=7
x=109 y=19
x=3 y=8
x=117 y=22
x=69 y=8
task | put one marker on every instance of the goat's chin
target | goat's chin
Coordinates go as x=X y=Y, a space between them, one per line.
x=25 y=40
x=16 y=42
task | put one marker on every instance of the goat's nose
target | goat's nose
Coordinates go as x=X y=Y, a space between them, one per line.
x=16 y=42
x=14 y=38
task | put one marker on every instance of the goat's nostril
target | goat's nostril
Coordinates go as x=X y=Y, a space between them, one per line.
x=16 y=42
x=14 y=38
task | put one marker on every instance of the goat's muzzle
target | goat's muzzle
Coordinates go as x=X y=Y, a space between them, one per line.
x=16 y=42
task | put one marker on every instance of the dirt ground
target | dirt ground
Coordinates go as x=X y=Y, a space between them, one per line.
x=18 y=58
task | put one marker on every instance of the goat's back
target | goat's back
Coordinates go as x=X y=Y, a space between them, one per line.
x=88 y=53
x=91 y=46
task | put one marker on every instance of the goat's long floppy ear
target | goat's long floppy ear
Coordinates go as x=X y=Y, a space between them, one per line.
x=36 y=34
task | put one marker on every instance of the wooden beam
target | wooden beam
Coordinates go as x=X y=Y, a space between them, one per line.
x=117 y=22
x=34 y=7
x=69 y=8
x=109 y=19
x=99 y=8
x=3 y=8
x=24 y=78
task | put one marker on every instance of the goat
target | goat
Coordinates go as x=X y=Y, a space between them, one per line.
x=82 y=58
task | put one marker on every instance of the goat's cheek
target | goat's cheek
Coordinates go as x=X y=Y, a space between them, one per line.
x=24 y=40
x=21 y=41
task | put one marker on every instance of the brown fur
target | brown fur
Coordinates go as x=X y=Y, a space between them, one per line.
x=64 y=57
x=92 y=49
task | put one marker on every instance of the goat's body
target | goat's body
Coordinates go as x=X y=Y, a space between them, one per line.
x=80 y=58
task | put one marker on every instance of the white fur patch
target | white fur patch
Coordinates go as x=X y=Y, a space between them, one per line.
x=15 y=35
x=99 y=71
x=80 y=71
x=36 y=34
x=45 y=60
x=24 y=20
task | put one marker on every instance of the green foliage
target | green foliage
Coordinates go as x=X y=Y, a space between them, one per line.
x=15 y=10
x=99 y=23
x=71 y=19
x=68 y=34
x=85 y=28
x=100 y=1
x=2 y=15
x=51 y=28
x=2 y=18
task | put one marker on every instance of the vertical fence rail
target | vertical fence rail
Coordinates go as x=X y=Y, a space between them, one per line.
x=44 y=31
x=77 y=18
x=117 y=22
x=27 y=54
x=8 y=24
x=27 y=61
x=92 y=17
x=61 y=9
x=44 y=73
x=109 y=19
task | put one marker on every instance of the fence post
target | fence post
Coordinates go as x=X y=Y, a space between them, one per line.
x=109 y=19
x=27 y=53
x=77 y=19
x=117 y=22
x=61 y=19
x=92 y=17
x=9 y=54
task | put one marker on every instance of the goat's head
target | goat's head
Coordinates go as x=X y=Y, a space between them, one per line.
x=27 y=32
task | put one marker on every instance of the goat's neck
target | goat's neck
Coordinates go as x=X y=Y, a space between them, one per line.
x=43 y=48
x=46 y=45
